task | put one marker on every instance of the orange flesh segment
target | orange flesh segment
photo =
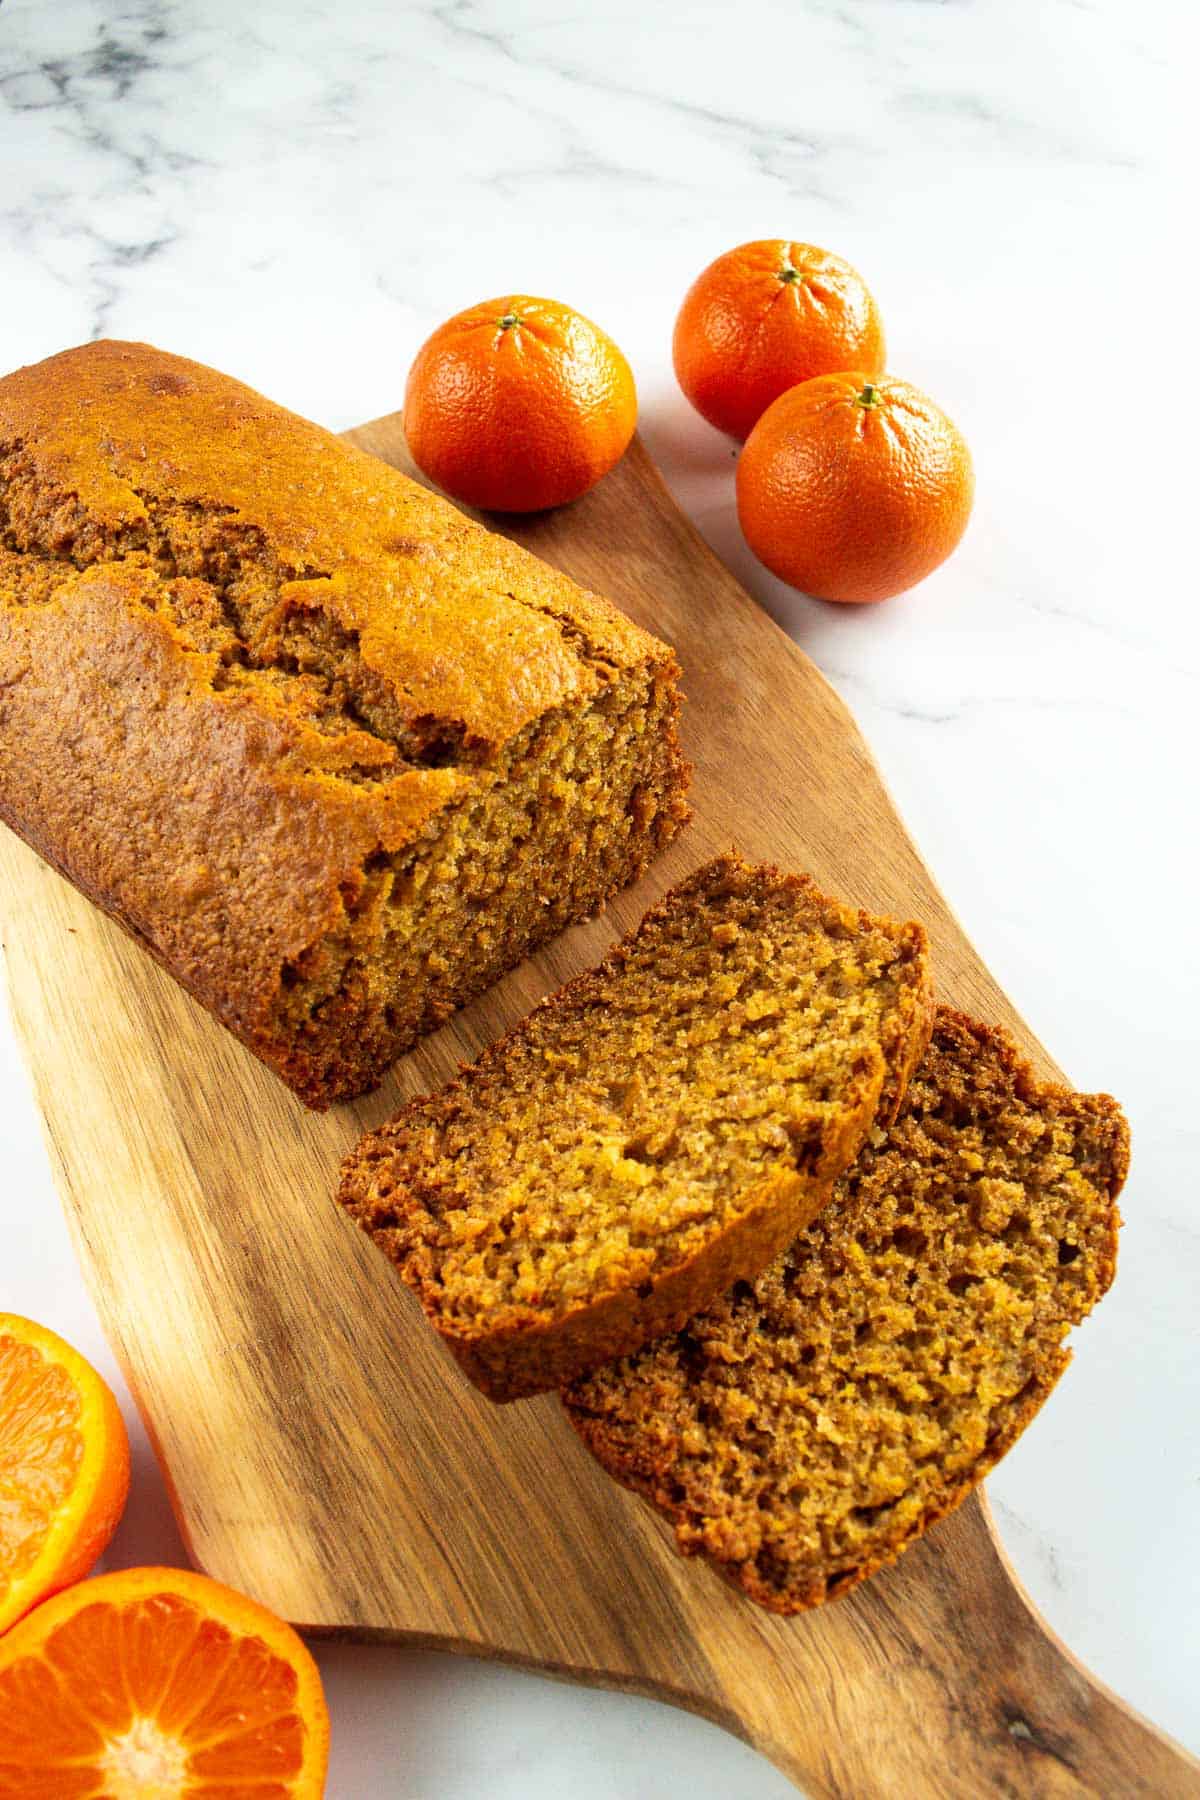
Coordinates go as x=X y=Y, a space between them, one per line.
x=150 y=1700
x=41 y=1448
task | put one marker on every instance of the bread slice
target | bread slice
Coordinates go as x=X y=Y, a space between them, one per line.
x=811 y=1425
x=658 y=1130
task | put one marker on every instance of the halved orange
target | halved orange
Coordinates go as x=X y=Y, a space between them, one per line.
x=159 y=1684
x=64 y=1465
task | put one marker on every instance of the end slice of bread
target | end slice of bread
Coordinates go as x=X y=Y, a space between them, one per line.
x=810 y=1425
x=658 y=1130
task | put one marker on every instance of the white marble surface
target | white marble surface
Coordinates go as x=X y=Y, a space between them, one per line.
x=298 y=192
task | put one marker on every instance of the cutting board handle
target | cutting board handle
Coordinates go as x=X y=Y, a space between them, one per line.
x=975 y=1697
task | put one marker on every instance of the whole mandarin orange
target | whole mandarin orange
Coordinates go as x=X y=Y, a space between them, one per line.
x=518 y=404
x=854 y=488
x=764 y=317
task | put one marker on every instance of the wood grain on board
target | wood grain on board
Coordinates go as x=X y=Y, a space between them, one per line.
x=323 y=1452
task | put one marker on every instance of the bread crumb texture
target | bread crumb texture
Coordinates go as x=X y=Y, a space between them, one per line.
x=809 y=1425
x=653 y=1132
x=336 y=754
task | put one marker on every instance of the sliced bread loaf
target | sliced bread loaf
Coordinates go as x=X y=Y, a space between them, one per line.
x=335 y=755
x=811 y=1424
x=658 y=1130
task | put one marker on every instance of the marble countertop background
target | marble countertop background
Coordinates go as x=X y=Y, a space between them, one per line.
x=298 y=192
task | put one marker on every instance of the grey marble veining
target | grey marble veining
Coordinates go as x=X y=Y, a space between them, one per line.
x=299 y=192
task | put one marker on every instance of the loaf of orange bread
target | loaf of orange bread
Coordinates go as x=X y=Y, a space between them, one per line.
x=335 y=754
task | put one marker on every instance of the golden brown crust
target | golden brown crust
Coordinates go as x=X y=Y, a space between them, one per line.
x=930 y=1207
x=512 y=1349
x=253 y=683
x=112 y=430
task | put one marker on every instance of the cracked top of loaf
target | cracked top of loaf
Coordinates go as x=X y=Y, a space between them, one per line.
x=468 y=637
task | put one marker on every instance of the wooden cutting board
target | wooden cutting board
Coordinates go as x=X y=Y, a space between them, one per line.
x=325 y=1455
